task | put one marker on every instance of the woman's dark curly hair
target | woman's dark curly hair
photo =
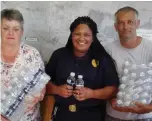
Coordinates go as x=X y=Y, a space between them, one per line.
x=96 y=49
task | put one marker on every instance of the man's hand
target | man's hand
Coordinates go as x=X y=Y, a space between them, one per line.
x=120 y=109
x=65 y=90
x=83 y=93
x=139 y=108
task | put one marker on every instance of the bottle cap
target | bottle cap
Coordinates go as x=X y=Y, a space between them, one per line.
x=122 y=86
x=80 y=76
x=144 y=101
x=124 y=78
x=127 y=63
x=127 y=103
x=119 y=102
x=72 y=74
x=120 y=94
x=126 y=71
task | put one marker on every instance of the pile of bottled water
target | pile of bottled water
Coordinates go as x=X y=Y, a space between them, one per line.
x=136 y=84
x=29 y=81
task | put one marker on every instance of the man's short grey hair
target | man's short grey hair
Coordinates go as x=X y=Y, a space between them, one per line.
x=12 y=14
x=126 y=9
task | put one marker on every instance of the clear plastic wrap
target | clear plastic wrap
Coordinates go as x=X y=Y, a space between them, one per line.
x=136 y=84
x=28 y=81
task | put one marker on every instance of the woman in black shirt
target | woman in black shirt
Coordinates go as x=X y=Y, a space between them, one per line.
x=83 y=55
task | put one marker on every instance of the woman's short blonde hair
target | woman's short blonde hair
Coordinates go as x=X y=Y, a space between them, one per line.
x=12 y=14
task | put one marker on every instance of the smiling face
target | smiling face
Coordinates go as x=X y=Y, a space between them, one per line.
x=126 y=25
x=82 y=38
x=11 y=32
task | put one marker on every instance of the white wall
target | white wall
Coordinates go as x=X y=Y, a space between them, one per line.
x=49 y=21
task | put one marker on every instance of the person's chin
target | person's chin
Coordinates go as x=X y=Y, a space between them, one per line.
x=11 y=42
x=126 y=36
x=82 y=50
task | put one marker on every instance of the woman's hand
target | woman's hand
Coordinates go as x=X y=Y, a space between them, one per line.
x=65 y=90
x=3 y=119
x=32 y=100
x=83 y=93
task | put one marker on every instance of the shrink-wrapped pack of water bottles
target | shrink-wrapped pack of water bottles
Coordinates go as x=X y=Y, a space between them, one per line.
x=136 y=84
x=30 y=81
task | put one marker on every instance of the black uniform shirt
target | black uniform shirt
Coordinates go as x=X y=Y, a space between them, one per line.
x=96 y=74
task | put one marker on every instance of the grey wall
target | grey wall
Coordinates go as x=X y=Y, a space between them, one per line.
x=49 y=22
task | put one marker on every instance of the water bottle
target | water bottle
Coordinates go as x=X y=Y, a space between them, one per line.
x=79 y=81
x=71 y=79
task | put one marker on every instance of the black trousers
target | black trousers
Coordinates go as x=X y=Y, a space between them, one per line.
x=62 y=113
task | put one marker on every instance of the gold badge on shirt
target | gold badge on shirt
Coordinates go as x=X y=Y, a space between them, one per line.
x=95 y=63
x=72 y=108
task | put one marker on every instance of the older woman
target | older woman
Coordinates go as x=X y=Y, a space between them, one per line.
x=14 y=57
x=83 y=55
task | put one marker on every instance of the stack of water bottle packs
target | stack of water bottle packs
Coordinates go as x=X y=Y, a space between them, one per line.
x=136 y=84
x=29 y=81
